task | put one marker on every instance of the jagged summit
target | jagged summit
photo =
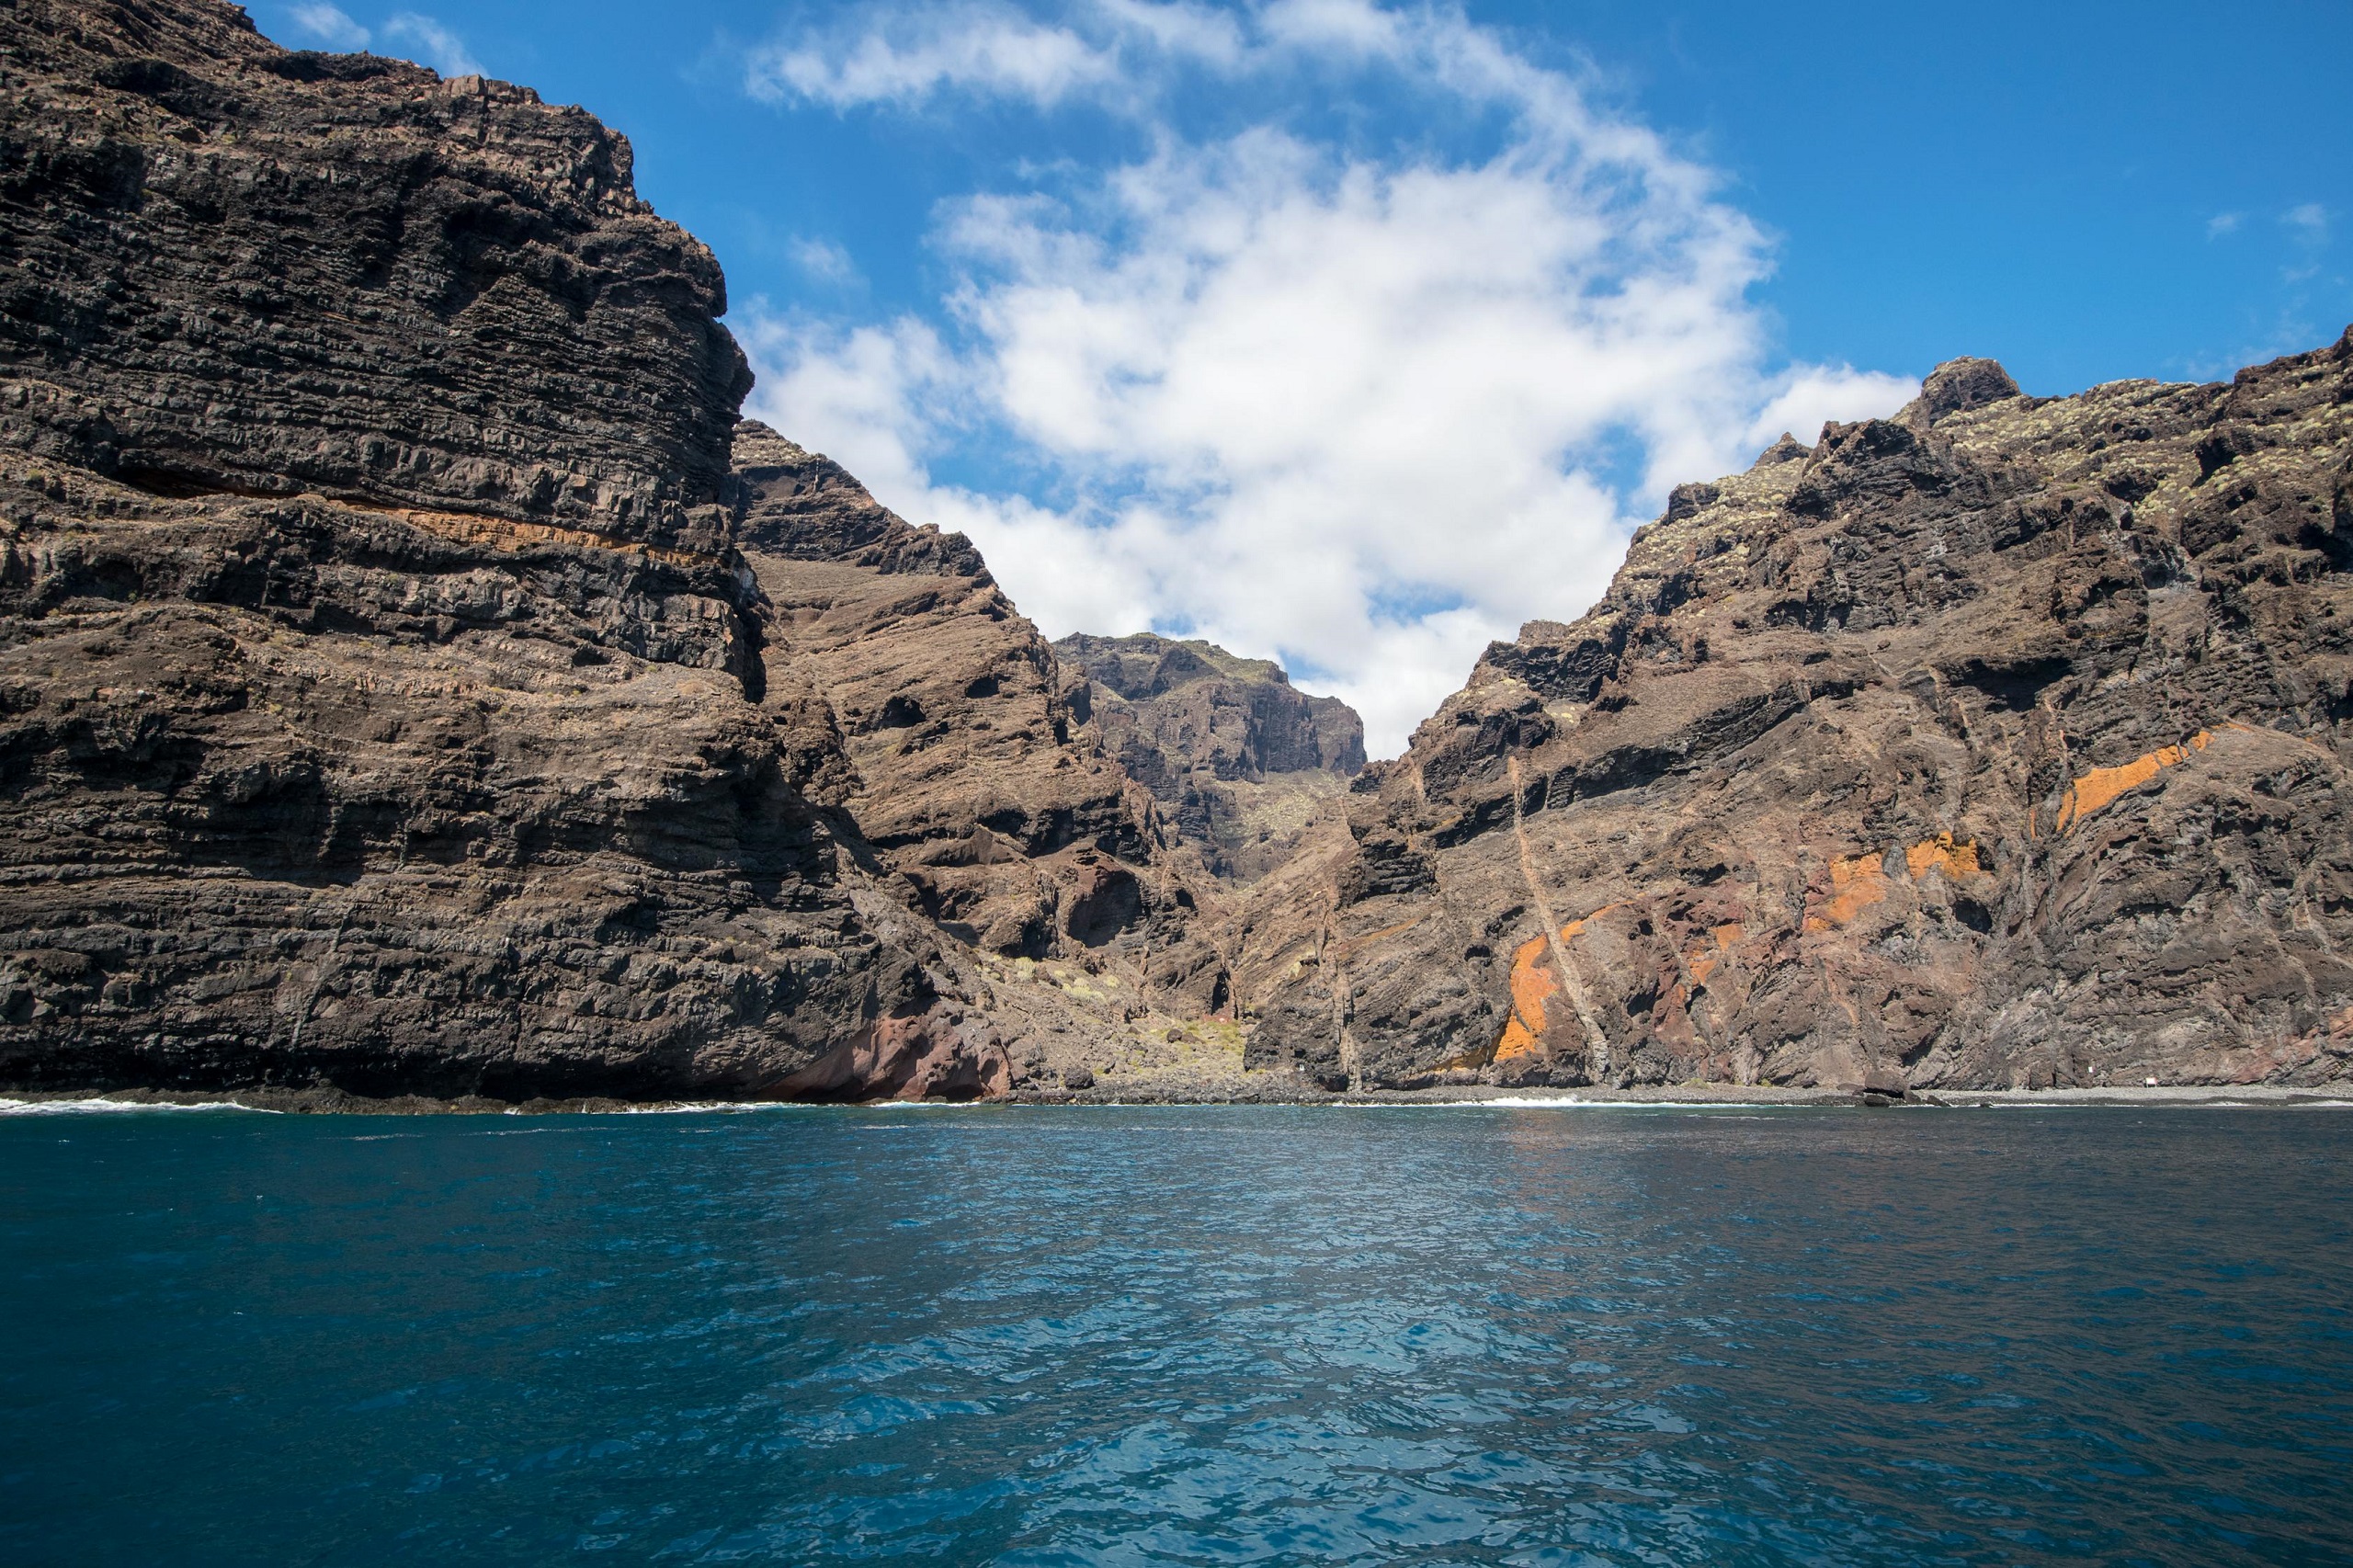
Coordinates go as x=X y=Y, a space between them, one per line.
x=1201 y=707
x=1144 y=663
x=1958 y=385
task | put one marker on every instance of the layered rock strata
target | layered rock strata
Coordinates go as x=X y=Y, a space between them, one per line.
x=1245 y=764
x=385 y=702
x=970 y=774
x=233 y=269
x=2002 y=742
x=414 y=679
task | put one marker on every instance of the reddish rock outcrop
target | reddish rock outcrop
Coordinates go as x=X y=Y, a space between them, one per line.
x=2002 y=742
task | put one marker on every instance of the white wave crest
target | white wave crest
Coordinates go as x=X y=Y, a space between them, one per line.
x=106 y=1106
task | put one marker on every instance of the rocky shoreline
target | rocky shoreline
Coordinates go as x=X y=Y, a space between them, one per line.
x=1728 y=1097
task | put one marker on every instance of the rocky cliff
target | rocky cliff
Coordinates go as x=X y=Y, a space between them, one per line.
x=1245 y=764
x=2002 y=742
x=970 y=774
x=233 y=269
x=384 y=700
x=414 y=678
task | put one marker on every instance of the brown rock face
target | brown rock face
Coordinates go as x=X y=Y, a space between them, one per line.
x=1245 y=764
x=383 y=701
x=1999 y=744
x=413 y=679
x=233 y=269
x=970 y=776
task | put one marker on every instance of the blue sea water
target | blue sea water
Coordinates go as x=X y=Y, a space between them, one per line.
x=1179 y=1336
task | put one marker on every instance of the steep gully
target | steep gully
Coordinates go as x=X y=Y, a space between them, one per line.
x=416 y=679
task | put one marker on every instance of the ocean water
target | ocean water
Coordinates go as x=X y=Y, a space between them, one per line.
x=1179 y=1336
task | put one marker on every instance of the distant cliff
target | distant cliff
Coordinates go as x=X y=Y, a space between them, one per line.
x=969 y=773
x=2002 y=742
x=1245 y=763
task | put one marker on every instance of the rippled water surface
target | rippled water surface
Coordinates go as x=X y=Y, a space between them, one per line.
x=1244 y=1335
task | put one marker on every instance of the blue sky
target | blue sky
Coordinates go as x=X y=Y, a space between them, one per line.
x=1353 y=334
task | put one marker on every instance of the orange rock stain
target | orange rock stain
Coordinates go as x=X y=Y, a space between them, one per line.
x=1956 y=858
x=1857 y=882
x=1703 y=962
x=1531 y=986
x=505 y=533
x=2101 y=785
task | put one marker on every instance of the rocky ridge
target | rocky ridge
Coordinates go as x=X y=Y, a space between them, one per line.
x=1999 y=744
x=1246 y=765
x=979 y=789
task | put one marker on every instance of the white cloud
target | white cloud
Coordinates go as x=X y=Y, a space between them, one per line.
x=823 y=260
x=904 y=53
x=1359 y=413
x=904 y=56
x=1351 y=24
x=1810 y=396
x=1178 y=27
x=2222 y=223
x=2307 y=228
x=438 y=46
x=427 y=38
x=872 y=398
x=331 y=27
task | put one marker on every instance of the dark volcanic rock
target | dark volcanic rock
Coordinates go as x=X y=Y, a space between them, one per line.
x=970 y=775
x=383 y=701
x=1176 y=708
x=413 y=681
x=232 y=268
x=1999 y=744
x=1245 y=763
